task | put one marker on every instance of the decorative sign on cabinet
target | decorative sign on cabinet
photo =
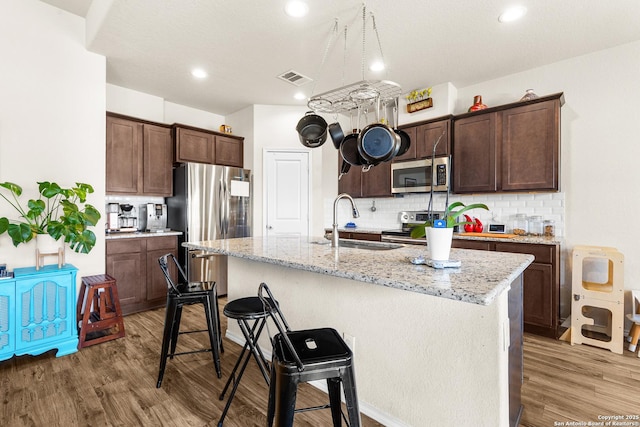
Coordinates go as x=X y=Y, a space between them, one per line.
x=38 y=311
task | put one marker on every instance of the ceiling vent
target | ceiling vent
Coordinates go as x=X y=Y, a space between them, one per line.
x=294 y=78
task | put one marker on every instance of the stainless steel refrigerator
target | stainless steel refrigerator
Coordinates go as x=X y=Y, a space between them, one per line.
x=210 y=202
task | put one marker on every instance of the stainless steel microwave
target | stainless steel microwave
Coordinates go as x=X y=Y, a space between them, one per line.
x=419 y=176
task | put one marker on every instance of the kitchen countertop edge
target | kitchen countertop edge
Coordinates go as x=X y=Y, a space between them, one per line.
x=481 y=284
x=115 y=236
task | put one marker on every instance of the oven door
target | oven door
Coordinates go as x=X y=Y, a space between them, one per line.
x=418 y=176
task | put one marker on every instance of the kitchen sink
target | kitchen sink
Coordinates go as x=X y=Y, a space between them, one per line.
x=362 y=244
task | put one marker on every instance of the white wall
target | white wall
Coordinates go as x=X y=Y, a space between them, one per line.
x=52 y=124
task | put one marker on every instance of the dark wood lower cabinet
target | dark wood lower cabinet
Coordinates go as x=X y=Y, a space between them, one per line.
x=541 y=288
x=133 y=262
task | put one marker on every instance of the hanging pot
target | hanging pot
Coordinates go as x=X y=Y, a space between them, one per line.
x=349 y=150
x=378 y=143
x=312 y=130
x=405 y=142
x=337 y=135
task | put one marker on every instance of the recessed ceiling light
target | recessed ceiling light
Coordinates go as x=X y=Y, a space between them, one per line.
x=512 y=14
x=377 y=66
x=300 y=96
x=199 y=73
x=296 y=8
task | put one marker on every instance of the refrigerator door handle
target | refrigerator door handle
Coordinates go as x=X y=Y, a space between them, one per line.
x=221 y=208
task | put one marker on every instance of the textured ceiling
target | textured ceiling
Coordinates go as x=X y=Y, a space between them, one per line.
x=151 y=45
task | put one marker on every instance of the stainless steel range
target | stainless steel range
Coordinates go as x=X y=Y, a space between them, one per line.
x=408 y=219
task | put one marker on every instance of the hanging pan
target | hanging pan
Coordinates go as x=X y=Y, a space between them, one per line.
x=405 y=140
x=312 y=130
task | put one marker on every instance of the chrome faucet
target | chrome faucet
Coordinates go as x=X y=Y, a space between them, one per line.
x=334 y=234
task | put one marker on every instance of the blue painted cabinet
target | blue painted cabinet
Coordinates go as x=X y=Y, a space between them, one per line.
x=40 y=311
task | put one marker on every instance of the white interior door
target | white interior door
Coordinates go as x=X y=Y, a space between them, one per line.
x=287 y=192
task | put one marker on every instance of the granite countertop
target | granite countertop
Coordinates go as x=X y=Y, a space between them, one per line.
x=482 y=276
x=131 y=235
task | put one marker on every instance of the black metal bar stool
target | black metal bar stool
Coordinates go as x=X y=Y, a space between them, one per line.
x=245 y=310
x=303 y=356
x=186 y=293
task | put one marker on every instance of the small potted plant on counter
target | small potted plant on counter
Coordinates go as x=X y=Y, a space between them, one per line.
x=58 y=212
x=439 y=232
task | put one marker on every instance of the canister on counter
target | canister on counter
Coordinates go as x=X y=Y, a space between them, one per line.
x=536 y=225
x=520 y=225
x=549 y=228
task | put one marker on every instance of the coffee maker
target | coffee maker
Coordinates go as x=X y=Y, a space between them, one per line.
x=153 y=217
x=128 y=218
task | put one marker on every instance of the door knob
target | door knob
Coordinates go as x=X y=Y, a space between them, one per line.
x=269 y=227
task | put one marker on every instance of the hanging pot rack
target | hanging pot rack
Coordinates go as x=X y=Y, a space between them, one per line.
x=359 y=94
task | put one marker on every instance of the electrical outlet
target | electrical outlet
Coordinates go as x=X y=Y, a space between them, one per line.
x=350 y=341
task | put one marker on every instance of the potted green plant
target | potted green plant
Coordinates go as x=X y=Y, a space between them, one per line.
x=439 y=237
x=58 y=212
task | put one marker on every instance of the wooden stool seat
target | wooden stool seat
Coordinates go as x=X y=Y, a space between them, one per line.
x=99 y=310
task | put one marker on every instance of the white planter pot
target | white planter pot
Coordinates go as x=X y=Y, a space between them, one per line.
x=439 y=243
x=46 y=244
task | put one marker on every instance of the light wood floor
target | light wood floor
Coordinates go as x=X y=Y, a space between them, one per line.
x=113 y=384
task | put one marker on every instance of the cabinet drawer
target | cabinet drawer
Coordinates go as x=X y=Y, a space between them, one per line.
x=472 y=244
x=543 y=253
x=125 y=246
x=167 y=242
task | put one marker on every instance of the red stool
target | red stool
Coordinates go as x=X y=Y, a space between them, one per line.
x=99 y=308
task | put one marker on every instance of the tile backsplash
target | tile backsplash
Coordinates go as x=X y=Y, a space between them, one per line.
x=503 y=208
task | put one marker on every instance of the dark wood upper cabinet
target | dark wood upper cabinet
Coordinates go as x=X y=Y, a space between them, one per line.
x=377 y=181
x=428 y=134
x=411 y=152
x=515 y=147
x=203 y=146
x=194 y=146
x=530 y=147
x=124 y=156
x=424 y=135
x=351 y=182
x=139 y=158
x=157 y=161
x=229 y=151
x=474 y=154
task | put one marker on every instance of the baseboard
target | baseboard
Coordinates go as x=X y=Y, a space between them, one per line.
x=365 y=408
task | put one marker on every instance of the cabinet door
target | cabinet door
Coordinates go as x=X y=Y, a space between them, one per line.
x=427 y=135
x=350 y=183
x=7 y=314
x=229 y=151
x=123 y=157
x=377 y=181
x=538 y=306
x=126 y=263
x=156 y=288
x=530 y=147
x=44 y=310
x=474 y=154
x=194 y=146
x=411 y=152
x=158 y=161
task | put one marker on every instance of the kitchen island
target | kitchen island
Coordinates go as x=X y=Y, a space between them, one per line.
x=432 y=347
